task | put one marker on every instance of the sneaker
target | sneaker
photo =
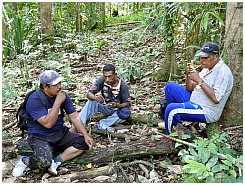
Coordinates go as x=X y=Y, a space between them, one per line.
x=19 y=167
x=111 y=129
x=52 y=169
x=99 y=126
x=161 y=125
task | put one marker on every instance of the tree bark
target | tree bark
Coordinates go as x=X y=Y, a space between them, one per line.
x=3 y=29
x=233 y=111
x=45 y=11
x=102 y=4
x=92 y=173
x=78 y=18
x=125 y=151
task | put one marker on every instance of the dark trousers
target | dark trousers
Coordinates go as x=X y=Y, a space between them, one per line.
x=44 y=147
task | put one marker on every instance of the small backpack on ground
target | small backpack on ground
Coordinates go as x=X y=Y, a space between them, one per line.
x=163 y=104
x=21 y=114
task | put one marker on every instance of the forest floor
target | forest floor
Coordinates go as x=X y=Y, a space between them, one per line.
x=147 y=94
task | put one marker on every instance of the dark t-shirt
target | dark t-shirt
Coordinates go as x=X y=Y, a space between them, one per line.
x=112 y=95
x=36 y=109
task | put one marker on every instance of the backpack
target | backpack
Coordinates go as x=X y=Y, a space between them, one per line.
x=21 y=114
x=163 y=107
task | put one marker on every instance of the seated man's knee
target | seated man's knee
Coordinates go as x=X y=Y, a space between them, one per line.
x=79 y=151
x=92 y=101
x=170 y=85
x=43 y=163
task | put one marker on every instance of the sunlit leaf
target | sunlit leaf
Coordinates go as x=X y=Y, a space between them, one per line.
x=212 y=161
x=212 y=148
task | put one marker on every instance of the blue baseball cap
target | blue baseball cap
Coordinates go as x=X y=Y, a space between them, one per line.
x=50 y=77
x=123 y=113
x=208 y=49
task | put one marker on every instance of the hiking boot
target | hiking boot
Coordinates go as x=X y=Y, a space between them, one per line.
x=19 y=167
x=161 y=125
x=53 y=168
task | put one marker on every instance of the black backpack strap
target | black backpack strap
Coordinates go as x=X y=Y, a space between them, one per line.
x=42 y=96
x=23 y=104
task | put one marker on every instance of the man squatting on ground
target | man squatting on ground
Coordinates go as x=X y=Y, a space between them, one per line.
x=206 y=92
x=47 y=133
x=114 y=95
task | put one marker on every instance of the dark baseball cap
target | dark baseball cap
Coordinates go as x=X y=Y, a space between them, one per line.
x=50 y=77
x=208 y=49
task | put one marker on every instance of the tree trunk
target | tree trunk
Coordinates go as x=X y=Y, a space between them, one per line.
x=45 y=11
x=211 y=129
x=3 y=29
x=78 y=19
x=169 y=67
x=15 y=8
x=232 y=114
x=102 y=7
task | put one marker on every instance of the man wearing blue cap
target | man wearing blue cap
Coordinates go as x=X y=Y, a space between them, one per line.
x=47 y=133
x=114 y=100
x=205 y=95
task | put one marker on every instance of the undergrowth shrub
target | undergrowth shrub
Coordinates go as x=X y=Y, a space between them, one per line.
x=211 y=161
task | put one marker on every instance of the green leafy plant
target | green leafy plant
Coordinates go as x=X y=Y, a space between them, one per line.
x=206 y=163
x=85 y=44
x=154 y=137
x=5 y=134
x=21 y=29
x=151 y=123
x=72 y=161
x=130 y=67
x=153 y=161
x=101 y=43
x=79 y=98
x=154 y=99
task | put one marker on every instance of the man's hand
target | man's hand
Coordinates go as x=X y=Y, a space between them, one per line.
x=193 y=74
x=112 y=105
x=99 y=98
x=61 y=96
x=89 y=141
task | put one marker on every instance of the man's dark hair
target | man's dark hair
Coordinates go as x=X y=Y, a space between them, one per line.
x=109 y=67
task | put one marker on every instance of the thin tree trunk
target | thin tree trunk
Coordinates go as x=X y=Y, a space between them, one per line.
x=3 y=28
x=102 y=6
x=45 y=10
x=78 y=19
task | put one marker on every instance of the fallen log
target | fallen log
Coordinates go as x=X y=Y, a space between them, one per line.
x=128 y=151
x=123 y=151
x=92 y=173
x=125 y=23
x=134 y=118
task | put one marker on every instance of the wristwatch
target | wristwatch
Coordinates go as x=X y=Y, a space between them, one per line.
x=200 y=83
